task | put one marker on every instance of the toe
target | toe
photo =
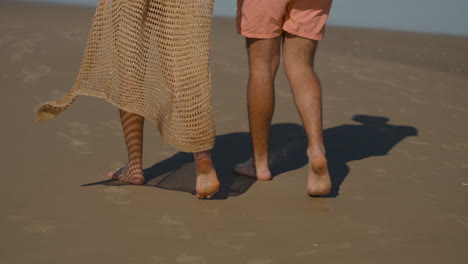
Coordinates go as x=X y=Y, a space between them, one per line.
x=114 y=173
x=117 y=173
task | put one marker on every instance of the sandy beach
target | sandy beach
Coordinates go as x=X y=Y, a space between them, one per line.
x=396 y=132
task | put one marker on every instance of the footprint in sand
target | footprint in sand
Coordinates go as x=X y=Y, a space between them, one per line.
x=117 y=195
x=78 y=146
x=114 y=126
x=174 y=227
x=40 y=229
x=34 y=75
x=74 y=136
x=191 y=260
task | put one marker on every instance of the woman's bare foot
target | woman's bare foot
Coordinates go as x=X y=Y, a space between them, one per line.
x=248 y=169
x=127 y=174
x=319 y=183
x=207 y=181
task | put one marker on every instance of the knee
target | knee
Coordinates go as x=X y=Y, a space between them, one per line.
x=297 y=66
x=265 y=72
x=264 y=69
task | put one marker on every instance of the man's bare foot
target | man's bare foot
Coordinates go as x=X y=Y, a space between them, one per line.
x=207 y=181
x=248 y=169
x=125 y=174
x=319 y=183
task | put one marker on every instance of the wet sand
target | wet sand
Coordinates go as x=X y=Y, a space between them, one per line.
x=396 y=129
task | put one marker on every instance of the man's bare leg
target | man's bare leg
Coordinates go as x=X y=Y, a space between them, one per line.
x=298 y=55
x=207 y=181
x=132 y=125
x=264 y=57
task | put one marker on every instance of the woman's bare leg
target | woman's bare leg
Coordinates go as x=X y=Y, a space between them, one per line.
x=207 y=181
x=132 y=125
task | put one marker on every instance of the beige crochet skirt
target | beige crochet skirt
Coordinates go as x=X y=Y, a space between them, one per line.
x=150 y=57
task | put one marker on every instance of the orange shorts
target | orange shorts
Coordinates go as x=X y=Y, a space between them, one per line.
x=269 y=18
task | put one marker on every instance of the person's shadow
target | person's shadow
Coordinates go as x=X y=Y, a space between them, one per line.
x=373 y=137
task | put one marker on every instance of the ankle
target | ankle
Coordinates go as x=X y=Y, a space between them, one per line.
x=134 y=166
x=202 y=155
x=261 y=169
x=203 y=165
x=317 y=158
x=260 y=161
x=313 y=152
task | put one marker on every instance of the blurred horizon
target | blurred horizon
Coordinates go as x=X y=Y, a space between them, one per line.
x=428 y=16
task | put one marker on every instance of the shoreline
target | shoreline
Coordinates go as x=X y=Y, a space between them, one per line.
x=382 y=29
x=360 y=42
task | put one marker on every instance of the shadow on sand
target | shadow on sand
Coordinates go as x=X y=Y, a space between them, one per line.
x=345 y=143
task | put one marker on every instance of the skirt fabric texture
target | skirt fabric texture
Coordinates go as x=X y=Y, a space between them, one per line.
x=151 y=58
